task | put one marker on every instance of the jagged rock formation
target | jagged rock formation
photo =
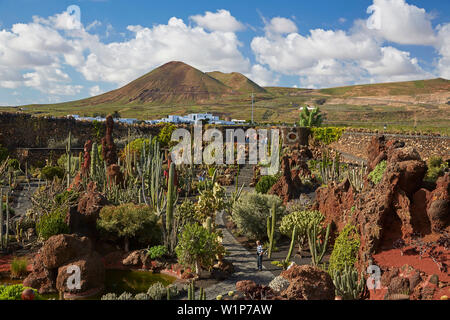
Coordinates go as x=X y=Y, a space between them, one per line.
x=82 y=219
x=56 y=256
x=395 y=208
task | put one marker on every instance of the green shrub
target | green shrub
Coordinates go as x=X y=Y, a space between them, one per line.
x=435 y=162
x=135 y=146
x=186 y=213
x=129 y=221
x=301 y=220
x=197 y=247
x=157 y=291
x=436 y=169
x=3 y=153
x=49 y=173
x=14 y=164
x=327 y=135
x=377 y=174
x=74 y=163
x=52 y=223
x=19 y=267
x=265 y=183
x=250 y=214
x=14 y=292
x=345 y=250
x=157 y=252
x=66 y=197
x=165 y=135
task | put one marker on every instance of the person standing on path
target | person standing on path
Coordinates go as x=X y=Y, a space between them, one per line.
x=259 y=252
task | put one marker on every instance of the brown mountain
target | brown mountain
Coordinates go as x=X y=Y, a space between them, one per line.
x=174 y=82
x=237 y=81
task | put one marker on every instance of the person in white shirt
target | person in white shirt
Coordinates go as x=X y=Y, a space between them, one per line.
x=260 y=253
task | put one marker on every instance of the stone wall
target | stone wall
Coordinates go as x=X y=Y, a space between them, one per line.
x=356 y=143
x=19 y=130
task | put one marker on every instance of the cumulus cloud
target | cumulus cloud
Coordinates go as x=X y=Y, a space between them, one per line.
x=400 y=22
x=46 y=44
x=95 y=91
x=263 y=76
x=444 y=50
x=336 y=57
x=280 y=25
x=222 y=21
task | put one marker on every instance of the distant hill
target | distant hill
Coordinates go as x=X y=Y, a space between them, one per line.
x=237 y=82
x=175 y=83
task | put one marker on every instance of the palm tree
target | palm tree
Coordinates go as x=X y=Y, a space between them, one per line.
x=310 y=118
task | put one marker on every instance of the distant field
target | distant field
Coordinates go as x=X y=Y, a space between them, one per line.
x=282 y=105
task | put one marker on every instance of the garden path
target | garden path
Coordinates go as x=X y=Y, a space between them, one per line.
x=244 y=263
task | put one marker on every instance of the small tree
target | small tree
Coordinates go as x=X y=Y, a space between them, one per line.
x=129 y=221
x=197 y=247
x=310 y=118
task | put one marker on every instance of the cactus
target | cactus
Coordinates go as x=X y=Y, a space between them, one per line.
x=69 y=159
x=271 y=229
x=170 y=197
x=317 y=247
x=1 y=218
x=191 y=291
x=7 y=220
x=209 y=224
x=291 y=247
x=94 y=155
x=347 y=284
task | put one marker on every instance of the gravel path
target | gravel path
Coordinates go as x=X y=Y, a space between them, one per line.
x=244 y=263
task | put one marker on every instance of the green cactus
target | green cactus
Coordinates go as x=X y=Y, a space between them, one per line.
x=170 y=197
x=7 y=220
x=271 y=221
x=94 y=155
x=69 y=159
x=316 y=246
x=209 y=224
x=291 y=247
x=347 y=284
x=1 y=218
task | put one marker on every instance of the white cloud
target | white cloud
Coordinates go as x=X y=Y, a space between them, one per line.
x=400 y=22
x=279 y=25
x=121 y=62
x=30 y=52
x=444 y=50
x=221 y=21
x=336 y=57
x=95 y=91
x=262 y=76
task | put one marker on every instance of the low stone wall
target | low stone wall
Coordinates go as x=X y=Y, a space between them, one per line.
x=356 y=143
x=20 y=130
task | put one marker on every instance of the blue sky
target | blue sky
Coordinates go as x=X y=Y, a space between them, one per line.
x=46 y=55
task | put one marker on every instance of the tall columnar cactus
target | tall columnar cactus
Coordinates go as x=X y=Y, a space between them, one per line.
x=349 y=285
x=94 y=156
x=170 y=197
x=191 y=291
x=317 y=246
x=271 y=221
x=209 y=224
x=7 y=220
x=291 y=248
x=69 y=159
x=1 y=218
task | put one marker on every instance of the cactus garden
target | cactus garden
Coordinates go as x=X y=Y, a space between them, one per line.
x=137 y=226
